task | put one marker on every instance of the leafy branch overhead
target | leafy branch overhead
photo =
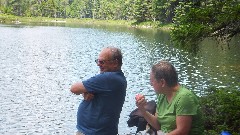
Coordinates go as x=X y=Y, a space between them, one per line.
x=216 y=19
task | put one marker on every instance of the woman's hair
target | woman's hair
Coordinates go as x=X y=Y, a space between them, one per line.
x=165 y=70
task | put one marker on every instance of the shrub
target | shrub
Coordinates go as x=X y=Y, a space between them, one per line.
x=221 y=109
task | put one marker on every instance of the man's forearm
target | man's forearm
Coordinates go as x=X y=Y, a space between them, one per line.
x=78 y=88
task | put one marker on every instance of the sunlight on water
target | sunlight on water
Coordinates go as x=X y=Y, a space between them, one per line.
x=39 y=63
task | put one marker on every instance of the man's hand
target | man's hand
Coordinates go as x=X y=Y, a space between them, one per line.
x=88 y=96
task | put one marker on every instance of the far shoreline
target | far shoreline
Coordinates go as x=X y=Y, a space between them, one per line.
x=10 y=19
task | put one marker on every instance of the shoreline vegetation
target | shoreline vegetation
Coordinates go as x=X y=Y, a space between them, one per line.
x=10 y=19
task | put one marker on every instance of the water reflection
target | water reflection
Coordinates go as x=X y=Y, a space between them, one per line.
x=221 y=62
x=39 y=63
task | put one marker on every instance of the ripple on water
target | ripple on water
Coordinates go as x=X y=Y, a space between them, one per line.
x=39 y=64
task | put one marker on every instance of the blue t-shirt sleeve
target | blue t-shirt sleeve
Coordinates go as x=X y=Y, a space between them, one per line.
x=96 y=83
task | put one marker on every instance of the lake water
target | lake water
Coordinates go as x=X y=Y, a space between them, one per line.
x=38 y=64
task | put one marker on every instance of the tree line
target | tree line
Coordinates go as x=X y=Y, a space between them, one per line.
x=192 y=20
x=140 y=10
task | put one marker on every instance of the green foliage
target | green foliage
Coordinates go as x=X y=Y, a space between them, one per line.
x=189 y=26
x=216 y=19
x=142 y=10
x=165 y=10
x=221 y=108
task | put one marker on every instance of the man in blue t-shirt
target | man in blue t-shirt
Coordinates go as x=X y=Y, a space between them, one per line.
x=104 y=95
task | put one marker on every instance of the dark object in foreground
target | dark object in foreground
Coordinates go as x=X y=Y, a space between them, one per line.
x=136 y=118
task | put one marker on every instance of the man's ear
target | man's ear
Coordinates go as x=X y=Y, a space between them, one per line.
x=116 y=63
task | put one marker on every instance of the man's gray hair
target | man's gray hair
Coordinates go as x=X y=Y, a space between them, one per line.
x=116 y=54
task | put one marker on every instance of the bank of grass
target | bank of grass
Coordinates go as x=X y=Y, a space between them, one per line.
x=154 y=25
x=10 y=19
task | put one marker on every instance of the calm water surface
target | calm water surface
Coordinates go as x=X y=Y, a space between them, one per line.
x=38 y=64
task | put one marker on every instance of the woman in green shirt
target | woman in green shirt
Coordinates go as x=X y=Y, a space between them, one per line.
x=178 y=109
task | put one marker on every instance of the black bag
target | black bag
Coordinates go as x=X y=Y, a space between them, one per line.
x=136 y=118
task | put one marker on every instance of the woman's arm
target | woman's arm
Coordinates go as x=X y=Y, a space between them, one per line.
x=152 y=120
x=184 y=124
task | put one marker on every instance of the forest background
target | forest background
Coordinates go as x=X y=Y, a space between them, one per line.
x=190 y=22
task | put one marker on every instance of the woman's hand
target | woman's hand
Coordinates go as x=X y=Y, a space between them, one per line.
x=140 y=102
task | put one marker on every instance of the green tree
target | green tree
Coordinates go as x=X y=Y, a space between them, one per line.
x=127 y=9
x=216 y=18
x=142 y=10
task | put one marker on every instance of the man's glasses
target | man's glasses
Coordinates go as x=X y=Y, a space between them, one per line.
x=101 y=61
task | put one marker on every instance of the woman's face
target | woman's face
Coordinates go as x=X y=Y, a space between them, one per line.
x=157 y=85
x=153 y=82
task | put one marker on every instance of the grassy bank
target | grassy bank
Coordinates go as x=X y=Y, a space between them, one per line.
x=10 y=19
